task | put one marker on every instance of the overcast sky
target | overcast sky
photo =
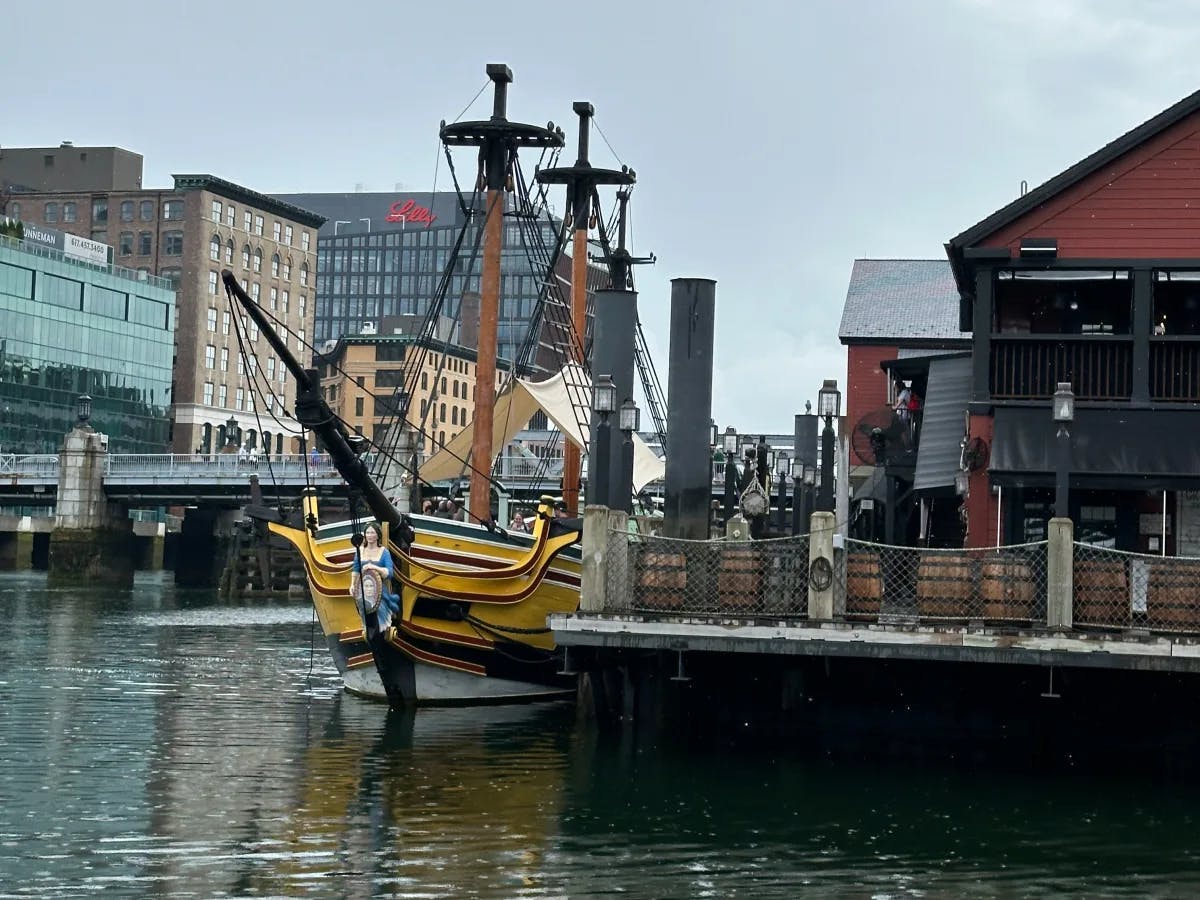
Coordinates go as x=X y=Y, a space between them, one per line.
x=774 y=142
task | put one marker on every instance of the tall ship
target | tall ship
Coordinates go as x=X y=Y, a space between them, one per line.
x=463 y=617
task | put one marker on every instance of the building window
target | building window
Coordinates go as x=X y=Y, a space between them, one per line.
x=358 y=406
x=246 y=221
x=224 y=359
x=214 y=248
x=287 y=269
x=454 y=415
x=274 y=265
x=146 y=211
x=239 y=399
x=212 y=289
x=223 y=396
x=274 y=299
x=229 y=252
x=300 y=339
x=210 y=356
x=270 y=406
x=258 y=225
x=270 y=367
x=51 y=213
x=275 y=232
x=126 y=210
x=172 y=209
x=246 y=257
x=99 y=210
x=258 y=260
x=253 y=337
x=424 y=382
x=230 y=214
x=100 y=234
x=144 y=243
x=442 y=413
x=241 y=367
x=70 y=212
x=283 y=303
x=303 y=305
x=287 y=235
x=208 y=393
x=225 y=322
x=304 y=241
x=171 y=274
x=125 y=246
x=216 y=211
x=172 y=243
x=255 y=291
x=303 y=274
x=212 y=318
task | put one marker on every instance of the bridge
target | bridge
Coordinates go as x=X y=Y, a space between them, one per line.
x=223 y=479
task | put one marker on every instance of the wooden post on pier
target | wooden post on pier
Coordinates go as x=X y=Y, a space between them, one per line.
x=820 y=565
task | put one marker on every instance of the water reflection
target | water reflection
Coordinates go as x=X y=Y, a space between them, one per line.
x=159 y=743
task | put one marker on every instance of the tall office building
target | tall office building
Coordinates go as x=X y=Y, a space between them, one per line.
x=383 y=255
x=187 y=234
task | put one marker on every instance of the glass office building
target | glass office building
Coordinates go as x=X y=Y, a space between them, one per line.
x=383 y=254
x=70 y=327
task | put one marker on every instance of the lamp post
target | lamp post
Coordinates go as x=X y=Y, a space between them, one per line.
x=604 y=400
x=1064 y=414
x=810 y=481
x=730 y=447
x=83 y=410
x=231 y=430
x=829 y=404
x=782 y=463
x=629 y=421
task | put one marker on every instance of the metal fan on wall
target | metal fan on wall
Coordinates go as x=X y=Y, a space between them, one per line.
x=876 y=436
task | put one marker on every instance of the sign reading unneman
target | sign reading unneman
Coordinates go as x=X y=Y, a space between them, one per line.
x=69 y=244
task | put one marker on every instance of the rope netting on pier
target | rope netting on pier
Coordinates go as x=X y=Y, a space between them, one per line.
x=998 y=585
x=731 y=579
x=1115 y=589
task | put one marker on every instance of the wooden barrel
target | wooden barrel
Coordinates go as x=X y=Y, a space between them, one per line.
x=661 y=581
x=864 y=585
x=945 y=585
x=739 y=581
x=1008 y=589
x=1101 y=593
x=1173 y=595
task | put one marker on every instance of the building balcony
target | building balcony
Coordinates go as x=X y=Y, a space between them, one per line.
x=1175 y=369
x=1029 y=367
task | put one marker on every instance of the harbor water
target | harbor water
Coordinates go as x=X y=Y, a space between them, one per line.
x=159 y=743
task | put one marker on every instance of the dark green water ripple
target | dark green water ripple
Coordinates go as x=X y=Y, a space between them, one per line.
x=155 y=743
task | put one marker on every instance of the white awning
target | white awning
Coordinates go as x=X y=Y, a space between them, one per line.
x=566 y=398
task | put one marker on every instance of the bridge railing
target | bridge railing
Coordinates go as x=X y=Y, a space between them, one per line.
x=42 y=465
x=200 y=464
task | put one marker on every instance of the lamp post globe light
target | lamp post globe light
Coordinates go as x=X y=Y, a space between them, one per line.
x=629 y=421
x=829 y=405
x=83 y=409
x=604 y=401
x=231 y=432
x=730 y=446
x=1063 y=410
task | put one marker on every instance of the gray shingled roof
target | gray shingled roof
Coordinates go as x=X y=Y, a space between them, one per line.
x=902 y=301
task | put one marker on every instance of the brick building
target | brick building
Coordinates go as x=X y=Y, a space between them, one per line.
x=187 y=235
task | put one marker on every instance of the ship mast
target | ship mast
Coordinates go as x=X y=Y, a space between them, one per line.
x=581 y=180
x=498 y=141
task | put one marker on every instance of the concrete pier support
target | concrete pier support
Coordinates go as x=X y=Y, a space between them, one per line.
x=93 y=538
x=151 y=543
x=820 y=555
x=204 y=543
x=16 y=551
x=1060 y=573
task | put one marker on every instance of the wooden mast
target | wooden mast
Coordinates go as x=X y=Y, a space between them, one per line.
x=581 y=180
x=497 y=140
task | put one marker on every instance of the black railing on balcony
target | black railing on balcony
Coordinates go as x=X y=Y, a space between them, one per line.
x=1029 y=367
x=1175 y=369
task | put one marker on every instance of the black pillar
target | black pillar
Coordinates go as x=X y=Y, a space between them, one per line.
x=825 y=497
x=1062 y=473
x=612 y=354
x=1143 y=325
x=599 y=483
x=689 y=408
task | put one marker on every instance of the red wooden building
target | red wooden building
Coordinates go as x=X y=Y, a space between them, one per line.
x=1093 y=278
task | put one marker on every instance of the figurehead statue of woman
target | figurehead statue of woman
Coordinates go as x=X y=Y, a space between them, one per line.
x=375 y=559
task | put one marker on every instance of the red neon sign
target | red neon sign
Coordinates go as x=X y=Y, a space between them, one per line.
x=408 y=211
